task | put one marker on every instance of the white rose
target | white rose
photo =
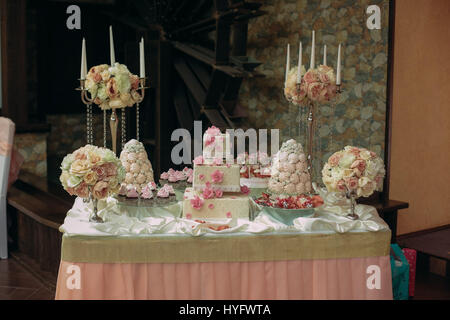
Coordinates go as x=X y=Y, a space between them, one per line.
x=347 y=160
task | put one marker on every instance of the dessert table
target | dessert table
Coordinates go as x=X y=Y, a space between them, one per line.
x=142 y=253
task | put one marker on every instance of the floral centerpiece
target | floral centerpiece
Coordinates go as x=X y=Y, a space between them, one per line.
x=355 y=170
x=113 y=87
x=92 y=171
x=317 y=85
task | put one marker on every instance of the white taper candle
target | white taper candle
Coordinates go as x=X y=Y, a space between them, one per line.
x=324 y=54
x=142 y=58
x=299 y=67
x=111 y=47
x=83 y=60
x=313 y=50
x=287 y=64
x=338 y=71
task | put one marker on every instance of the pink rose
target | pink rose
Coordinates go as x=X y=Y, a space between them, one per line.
x=245 y=190
x=211 y=206
x=217 y=161
x=198 y=160
x=351 y=183
x=111 y=88
x=110 y=169
x=310 y=76
x=360 y=165
x=82 y=190
x=219 y=193
x=201 y=177
x=314 y=90
x=101 y=172
x=334 y=159
x=217 y=176
x=324 y=78
x=197 y=203
x=228 y=215
x=189 y=216
x=341 y=185
x=100 y=190
x=190 y=179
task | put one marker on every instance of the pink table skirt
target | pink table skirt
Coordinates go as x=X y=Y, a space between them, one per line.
x=346 y=278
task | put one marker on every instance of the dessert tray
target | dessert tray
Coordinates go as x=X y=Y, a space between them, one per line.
x=146 y=203
x=287 y=209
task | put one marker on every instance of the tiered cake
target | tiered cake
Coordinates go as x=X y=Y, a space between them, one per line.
x=216 y=191
x=289 y=175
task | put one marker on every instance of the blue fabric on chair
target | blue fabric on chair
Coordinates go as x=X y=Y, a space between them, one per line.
x=400 y=273
x=7 y=129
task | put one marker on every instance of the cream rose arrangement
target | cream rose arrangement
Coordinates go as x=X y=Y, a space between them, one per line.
x=94 y=170
x=112 y=87
x=353 y=169
x=317 y=85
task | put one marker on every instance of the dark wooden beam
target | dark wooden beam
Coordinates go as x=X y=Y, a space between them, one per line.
x=201 y=54
x=201 y=71
x=163 y=107
x=182 y=108
x=222 y=44
x=14 y=62
x=215 y=89
x=190 y=80
x=240 y=30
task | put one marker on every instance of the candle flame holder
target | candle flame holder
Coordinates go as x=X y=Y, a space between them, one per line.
x=312 y=115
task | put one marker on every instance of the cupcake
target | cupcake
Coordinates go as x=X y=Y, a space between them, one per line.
x=163 y=196
x=147 y=195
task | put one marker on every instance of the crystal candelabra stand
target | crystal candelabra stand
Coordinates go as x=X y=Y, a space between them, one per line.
x=114 y=121
x=312 y=110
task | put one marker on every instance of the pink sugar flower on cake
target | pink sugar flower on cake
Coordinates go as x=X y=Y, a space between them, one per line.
x=217 y=176
x=217 y=161
x=213 y=131
x=211 y=206
x=190 y=178
x=228 y=214
x=198 y=160
x=201 y=177
x=189 y=216
x=197 y=203
x=219 y=193
x=208 y=193
x=245 y=190
x=209 y=140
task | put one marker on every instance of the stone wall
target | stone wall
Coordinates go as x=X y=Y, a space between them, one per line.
x=358 y=116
